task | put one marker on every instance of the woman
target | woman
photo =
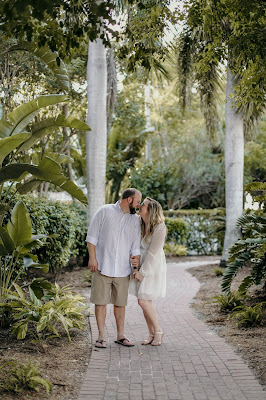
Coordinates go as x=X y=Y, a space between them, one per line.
x=149 y=275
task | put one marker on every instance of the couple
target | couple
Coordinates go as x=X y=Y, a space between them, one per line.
x=126 y=252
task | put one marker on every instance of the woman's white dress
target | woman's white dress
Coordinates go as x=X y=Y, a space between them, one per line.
x=153 y=267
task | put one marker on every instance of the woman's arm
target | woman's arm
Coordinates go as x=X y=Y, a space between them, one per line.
x=155 y=246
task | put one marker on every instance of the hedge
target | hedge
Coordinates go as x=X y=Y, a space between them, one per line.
x=205 y=232
x=48 y=217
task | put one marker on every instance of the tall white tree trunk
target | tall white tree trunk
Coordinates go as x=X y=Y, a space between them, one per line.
x=96 y=118
x=147 y=120
x=234 y=167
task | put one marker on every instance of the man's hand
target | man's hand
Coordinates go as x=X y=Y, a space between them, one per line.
x=137 y=275
x=135 y=261
x=93 y=264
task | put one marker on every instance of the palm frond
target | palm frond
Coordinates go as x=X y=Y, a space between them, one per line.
x=231 y=271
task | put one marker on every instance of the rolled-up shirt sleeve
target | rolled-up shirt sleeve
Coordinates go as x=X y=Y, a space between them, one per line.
x=135 y=248
x=95 y=227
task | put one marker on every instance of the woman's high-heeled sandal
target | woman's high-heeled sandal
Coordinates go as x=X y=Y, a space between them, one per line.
x=148 y=341
x=157 y=343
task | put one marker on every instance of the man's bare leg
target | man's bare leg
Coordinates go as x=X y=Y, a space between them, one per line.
x=100 y=314
x=119 y=313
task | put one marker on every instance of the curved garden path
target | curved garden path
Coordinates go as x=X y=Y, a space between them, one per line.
x=193 y=363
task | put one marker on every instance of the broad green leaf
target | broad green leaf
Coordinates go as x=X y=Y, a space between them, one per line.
x=60 y=158
x=49 y=58
x=3 y=208
x=19 y=291
x=43 y=128
x=3 y=251
x=15 y=171
x=19 y=118
x=34 y=299
x=29 y=263
x=28 y=186
x=19 y=228
x=22 y=331
x=51 y=99
x=38 y=285
x=72 y=122
x=29 y=259
x=8 y=144
x=48 y=170
x=7 y=241
x=5 y=128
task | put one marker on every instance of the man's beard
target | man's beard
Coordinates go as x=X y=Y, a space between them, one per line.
x=132 y=210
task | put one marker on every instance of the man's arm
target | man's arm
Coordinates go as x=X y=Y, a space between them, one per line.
x=93 y=263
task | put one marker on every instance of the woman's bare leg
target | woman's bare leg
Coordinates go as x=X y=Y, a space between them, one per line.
x=150 y=316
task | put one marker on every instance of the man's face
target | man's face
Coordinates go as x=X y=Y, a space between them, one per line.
x=134 y=202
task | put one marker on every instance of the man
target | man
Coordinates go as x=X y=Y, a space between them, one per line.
x=113 y=236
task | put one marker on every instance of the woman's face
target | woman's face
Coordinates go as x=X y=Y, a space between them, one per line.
x=143 y=211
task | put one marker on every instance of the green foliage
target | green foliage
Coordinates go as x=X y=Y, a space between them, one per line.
x=50 y=217
x=218 y=271
x=17 y=246
x=64 y=28
x=227 y=302
x=14 y=140
x=177 y=230
x=247 y=316
x=79 y=247
x=87 y=278
x=126 y=138
x=17 y=377
x=203 y=235
x=173 y=249
x=42 y=318
x=255 y=154
x=230 y=31
x=192 y=179
x=251 y=249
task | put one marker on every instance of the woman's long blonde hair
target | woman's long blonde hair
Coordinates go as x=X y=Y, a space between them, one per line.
x=156 y=217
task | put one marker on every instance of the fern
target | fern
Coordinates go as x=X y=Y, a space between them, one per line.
x=16 y=377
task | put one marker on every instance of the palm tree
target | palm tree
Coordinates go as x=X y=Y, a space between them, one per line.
x=211 y=36
x=96 y=139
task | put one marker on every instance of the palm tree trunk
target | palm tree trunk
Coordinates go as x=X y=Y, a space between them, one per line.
x=96 y=118
x=148 y=155
x=234 y=167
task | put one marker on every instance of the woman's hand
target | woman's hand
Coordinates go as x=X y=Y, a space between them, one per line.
x=137 y=275
x=135 y=261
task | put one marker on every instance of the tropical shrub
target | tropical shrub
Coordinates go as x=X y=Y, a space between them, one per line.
x=247 y=316
x=53 y=217
x=251 y=249
x=16 y=247
x=205 y=229
x=227 y=302
x=177 y=230
x=66 y=223
x=173 y=249
x=79 y=247
x=88 y=277
x=218 y=271
x=16 y=377
x=42 y=318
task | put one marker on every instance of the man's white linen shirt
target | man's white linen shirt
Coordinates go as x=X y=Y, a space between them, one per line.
x=116 y=236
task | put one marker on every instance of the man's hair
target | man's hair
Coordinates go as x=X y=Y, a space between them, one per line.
x=130 y=192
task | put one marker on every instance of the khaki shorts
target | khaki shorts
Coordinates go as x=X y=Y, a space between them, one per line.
x=106 y=290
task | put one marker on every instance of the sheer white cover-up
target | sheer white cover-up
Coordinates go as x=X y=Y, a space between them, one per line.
x=153 y=267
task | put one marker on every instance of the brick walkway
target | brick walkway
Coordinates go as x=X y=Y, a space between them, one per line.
x=193 y=363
